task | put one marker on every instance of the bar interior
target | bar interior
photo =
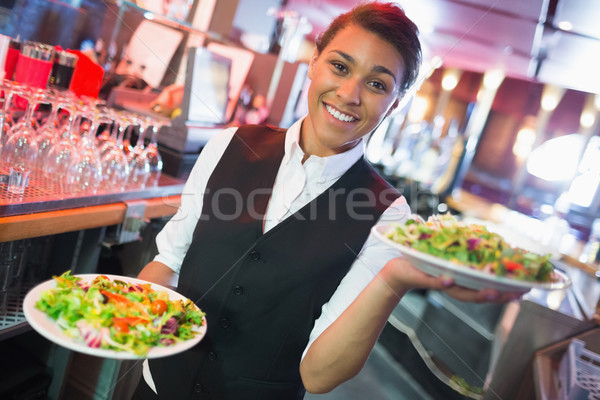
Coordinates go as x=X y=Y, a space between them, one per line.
x=106 y=106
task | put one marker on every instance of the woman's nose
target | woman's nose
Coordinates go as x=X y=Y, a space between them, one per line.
x=349 y=91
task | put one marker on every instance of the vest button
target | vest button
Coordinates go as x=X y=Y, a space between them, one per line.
x=254 y=255
x=224 y=323
x=238 y=290
x=198 y=388
x=212 y=356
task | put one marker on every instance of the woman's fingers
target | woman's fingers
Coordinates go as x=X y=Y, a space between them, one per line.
x=409 y=277
x=481 y=296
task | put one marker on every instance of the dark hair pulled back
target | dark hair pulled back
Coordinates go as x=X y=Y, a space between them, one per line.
x=390 y=23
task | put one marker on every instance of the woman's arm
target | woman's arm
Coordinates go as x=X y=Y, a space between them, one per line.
x=340 y=352
x=157 y=272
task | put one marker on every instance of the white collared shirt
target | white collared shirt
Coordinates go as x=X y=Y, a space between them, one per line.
x=296 y=184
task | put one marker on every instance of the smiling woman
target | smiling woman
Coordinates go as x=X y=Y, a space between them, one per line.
x=284 y=263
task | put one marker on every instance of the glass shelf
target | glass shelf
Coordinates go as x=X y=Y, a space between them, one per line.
x=42 y=194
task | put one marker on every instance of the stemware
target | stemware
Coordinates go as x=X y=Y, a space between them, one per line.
x=21 y=147
x=139 y=165
x=115 y=168
x=117 y=130
x=5 y=118
x=3 y=131
x=106 y=127
x=151 y=153
x=63 y=152
x=132 y=121
x=49 y=132
x=85 y=171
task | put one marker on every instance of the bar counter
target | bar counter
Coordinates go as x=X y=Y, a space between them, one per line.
x=46 y=208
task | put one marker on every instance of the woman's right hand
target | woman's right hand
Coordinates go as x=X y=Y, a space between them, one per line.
x=401 y=276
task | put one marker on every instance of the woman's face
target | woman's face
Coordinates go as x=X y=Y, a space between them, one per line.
x=354 y=85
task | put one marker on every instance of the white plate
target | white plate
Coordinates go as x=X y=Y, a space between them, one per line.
x=48 y=328
x=465 y=276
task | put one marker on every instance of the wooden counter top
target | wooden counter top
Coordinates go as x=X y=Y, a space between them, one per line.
x=61 y=221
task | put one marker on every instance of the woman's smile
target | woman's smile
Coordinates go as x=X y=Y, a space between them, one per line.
x=340 y=116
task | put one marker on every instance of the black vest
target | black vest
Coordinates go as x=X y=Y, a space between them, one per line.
x=262 y=292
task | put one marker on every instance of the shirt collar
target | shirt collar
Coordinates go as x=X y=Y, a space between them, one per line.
x=332 y=166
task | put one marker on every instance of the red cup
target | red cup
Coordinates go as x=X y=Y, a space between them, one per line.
x=87 y=77
x=33 y=67
x=33 y=71
x=12 y=55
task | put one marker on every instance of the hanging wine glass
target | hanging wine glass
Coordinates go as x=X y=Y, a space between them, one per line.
x=134 y=121
x=21 y=147
x=4 y=123
x=85 y=171
x=49 y=132
x=117 y=130
x=9 y=88
x=105 y=128
x=2 y=132
x=151 y=153
x=64 y=151
x=115 y=168
x=139 y=167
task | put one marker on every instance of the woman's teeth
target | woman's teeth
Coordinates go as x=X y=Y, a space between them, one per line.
x=339 y=115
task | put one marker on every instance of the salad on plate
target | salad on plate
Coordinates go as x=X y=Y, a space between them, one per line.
x=472 y=245
x=117 y=315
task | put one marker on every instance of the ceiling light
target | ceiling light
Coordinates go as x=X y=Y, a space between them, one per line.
x=551 y=95
x=493 y=78
x=549 y=103
x=449 y=82
x=450 y=79
x=524 y=142
x=587 y=119
x=565 y=25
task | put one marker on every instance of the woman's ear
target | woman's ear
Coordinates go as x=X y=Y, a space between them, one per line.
x=311 y=65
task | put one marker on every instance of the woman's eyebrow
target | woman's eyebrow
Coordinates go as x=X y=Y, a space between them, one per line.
x=377 y=68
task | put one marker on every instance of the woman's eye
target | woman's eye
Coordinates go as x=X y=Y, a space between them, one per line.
x=339 y=67
x=377 y=85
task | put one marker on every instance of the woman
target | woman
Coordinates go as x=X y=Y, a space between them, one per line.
x=272 y=238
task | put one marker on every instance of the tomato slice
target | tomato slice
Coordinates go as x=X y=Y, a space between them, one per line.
x=158 y=307
x=120 y=326
x=512 y=265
